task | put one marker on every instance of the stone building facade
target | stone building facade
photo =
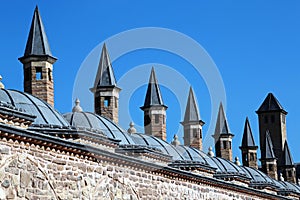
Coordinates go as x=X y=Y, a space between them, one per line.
x=86 y=155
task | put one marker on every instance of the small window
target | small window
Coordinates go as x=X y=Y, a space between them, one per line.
x=38 y=73
x=106 y=102
x=273 y=119
x=224 y=145
x=195 y=133
x=283 y=119
x=116 y=102
x=290 y=173
x=27 y=74
x=164 y=119
x=271 y=167
x=49 y=74
x=251 y=156
x=266 y=119
x=156 y=118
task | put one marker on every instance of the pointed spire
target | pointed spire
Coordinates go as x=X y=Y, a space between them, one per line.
x=270 y=104
x=153 y=95
x=37 y=43
x=248 y=140
x=105 y=74
x=191 y=111
x=287 y=157
x=222 y=124
x=269 y=147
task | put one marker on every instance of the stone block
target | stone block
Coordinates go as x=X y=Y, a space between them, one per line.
x=25 y=178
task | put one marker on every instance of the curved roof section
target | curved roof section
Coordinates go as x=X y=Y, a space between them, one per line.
x=93 y=122
x=258 y=177
x=45 y=114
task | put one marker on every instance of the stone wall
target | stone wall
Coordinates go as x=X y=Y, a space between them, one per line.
x=32 y=172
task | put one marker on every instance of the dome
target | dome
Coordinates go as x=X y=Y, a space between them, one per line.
x=92 y=121
x=258 y=177
x=45 y=114
x=178 y=153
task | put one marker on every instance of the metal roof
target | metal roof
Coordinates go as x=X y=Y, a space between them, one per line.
x=153 y=95
x=37 y=42
x=287 y=157
x=105 y=74
x=248 y=140
x=45 y=113
x=94 y=122
x=191 y=110
x=270 y=104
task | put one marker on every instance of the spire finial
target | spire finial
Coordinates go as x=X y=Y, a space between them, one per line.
x=77 y=107
x=210 y=152
x=175 y=141
x=131 y=128
x=237 y=161
x=1 y=84
x=281 y=177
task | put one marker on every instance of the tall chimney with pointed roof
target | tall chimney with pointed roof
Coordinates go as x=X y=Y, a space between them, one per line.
x=268 y=158
x=287 y=166
x=272 y=117
x=248 y=147
x=38 y=62
x=154 y=110
x=192 y=124
x=106 y=92
x=222 y=136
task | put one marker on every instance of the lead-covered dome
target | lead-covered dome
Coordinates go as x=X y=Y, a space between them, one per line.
x=94 y=122
x=45 y=114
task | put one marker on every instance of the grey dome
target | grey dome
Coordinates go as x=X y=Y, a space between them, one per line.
x=45 y=114
x=92 y=121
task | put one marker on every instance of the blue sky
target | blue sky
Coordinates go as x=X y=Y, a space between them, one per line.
x=255 y=45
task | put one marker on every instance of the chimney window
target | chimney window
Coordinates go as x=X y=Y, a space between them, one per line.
x=38 y=73
x=156 y=116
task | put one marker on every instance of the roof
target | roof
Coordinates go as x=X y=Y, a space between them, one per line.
x=191 y=111
x=269 y=153
x=270 y=104
x=287 y=157
x=248 y=140
x=105 y=74
x=153 y=95
x=222 y=127
x=37 y=42
x=95 y=123
x=45 y=113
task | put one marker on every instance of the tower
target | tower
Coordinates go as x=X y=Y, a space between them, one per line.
x=287 y=168
x=38 y=62
x=272 y=117
x=154 y=110
x=106 y=92
x=222 y=136
x=248 y=147
x=192 y=124
x=268 y=158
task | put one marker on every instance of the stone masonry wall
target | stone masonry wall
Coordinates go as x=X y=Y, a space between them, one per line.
x=31 y=172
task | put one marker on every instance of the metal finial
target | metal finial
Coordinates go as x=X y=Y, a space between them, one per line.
x=77 y=107
x=175 y=141
x=131 y=128
x=210 y=152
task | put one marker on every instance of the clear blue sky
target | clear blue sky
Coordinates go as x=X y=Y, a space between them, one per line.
x=255 y=45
